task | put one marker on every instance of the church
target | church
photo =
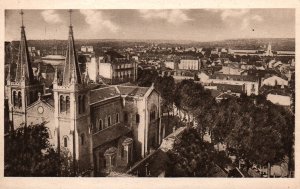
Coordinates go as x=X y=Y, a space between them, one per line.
x=104 y=128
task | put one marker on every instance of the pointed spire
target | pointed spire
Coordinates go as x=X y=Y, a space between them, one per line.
x=71 y=63
x=24 y=70
x=8 y=78
x=22 y=13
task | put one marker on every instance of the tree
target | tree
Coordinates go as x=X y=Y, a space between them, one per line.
x=191 y=156
x=192 y=98
x=166 y=85
x=146 y=77
x=28 y=153
x=258 y=130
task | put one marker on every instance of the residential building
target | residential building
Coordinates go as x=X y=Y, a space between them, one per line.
x=189 y=64
x=115 y=68
x=248 y=84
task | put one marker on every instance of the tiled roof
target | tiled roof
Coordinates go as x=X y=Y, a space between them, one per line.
x=109 y=134
x=49 y=101
x=133 y=90
x=227 y=87
x=225 y=96
x=234 y=77
x=218 y=172
x=214 y=92
x=103 y=93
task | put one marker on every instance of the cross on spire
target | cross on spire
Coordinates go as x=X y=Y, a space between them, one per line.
x=22 y=13
x=70 y=12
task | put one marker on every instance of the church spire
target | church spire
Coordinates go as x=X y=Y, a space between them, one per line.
x=71 y=67
x=24 y=69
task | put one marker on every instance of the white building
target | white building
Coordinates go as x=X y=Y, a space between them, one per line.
x=249 y=84
x=275 y=80
x=89 y=49
x=279 y=99
x=92 y=67
x=170 y=65
x=203 y=77
x=189 y=64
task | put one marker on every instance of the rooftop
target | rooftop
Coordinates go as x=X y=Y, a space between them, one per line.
x=109 y=134
x=233 y=77
x=103 y=93
x=133 y=90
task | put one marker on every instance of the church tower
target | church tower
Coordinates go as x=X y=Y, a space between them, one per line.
x=22 y=87
x=269 y=50
x=72 y=113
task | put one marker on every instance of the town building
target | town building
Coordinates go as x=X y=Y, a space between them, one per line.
x=189 y=63
x=240 y=83
x=170 y=64
x=274 y=81
x=114 y=68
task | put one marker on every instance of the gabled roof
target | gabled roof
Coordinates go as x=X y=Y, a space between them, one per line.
x=234 y=77
x=228 y=87
x=225 y=96
x=109 y=134
x=214 y=92
x=44 y=101
x=133 y=90
x=100 y=94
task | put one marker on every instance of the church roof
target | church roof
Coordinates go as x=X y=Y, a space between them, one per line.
x=133 y=90
x=100 y=94
x=109 y=134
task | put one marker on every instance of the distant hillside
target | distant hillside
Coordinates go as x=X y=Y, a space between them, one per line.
x=277 y=43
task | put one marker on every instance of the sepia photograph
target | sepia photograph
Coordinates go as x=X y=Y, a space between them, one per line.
x=175 y=93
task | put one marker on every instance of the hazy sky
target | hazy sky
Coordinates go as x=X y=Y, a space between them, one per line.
x=190 y=24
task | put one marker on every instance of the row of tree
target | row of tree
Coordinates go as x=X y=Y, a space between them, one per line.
x=259 y=131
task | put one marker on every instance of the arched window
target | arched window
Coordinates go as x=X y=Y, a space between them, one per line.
x=20 y=99
x=109 y=121
x=31 y=97
x=49 y=132
x=79 y=104
x=153 y=113
x=82 y=139
x=62 y=103
x=100 y=124
x=68 y=104
x=117 y=118
x=83 y=104
x=122 y=152
x=65 y=141
x=15 y=98
x=125 y=117
x=137 y=118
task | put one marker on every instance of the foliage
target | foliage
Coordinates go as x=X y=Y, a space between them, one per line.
x=145 y=78
x=260 y=131
x=28 y=153
x=165 y=85
x=194 y=157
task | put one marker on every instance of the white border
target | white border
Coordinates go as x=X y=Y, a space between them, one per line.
x=139 y=183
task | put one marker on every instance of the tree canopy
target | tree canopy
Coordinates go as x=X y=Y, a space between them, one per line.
x=28 y=153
